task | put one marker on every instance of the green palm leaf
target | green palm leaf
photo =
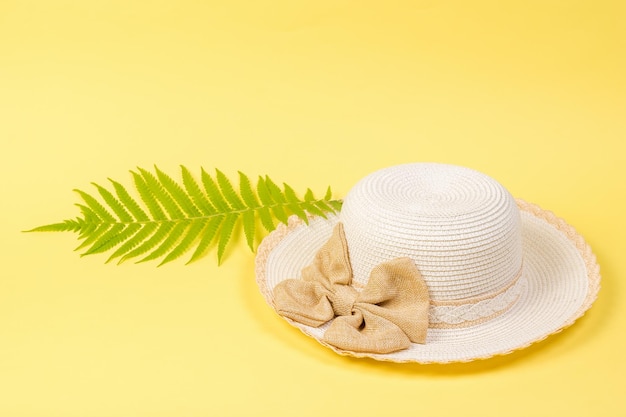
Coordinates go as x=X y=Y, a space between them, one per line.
x=167 y=219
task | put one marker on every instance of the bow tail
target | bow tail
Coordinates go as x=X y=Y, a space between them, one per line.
x=303 y=301
x=364 y=331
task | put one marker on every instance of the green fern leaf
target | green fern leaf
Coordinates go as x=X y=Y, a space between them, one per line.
x=168 y=218
x=88 y=214
x=275 y=192
x=161 y=233
x=133 y=242
x=114 y=203
x=308 y=196
x=128 y=232
x=209 y=234
x=228 y=191
x=87 y=229
x=114 y=232
x=280 y=213
x=213 y=192
x=129 y=202
x=96 y=208
x=335 y=204
x=275 y=205
x=196 y=193
x=264 y=193
x=324 y=206
x=313 y=210
x=266 y=218
x=226 y=231
x=294 y=203
x=329 y=194
x=192 y=234
x=248 y=227
x=161 y=195
x=245 y=188
x=65 y=226
x=147 y=197
x=114 y=239
x=98 y=231
x=178 y=194
x=169 y=241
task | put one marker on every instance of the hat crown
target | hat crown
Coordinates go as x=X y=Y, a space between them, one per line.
x=461 y=227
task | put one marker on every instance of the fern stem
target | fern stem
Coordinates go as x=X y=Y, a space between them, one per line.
x=195 y=218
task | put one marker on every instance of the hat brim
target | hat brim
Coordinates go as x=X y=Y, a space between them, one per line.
x=561 y=273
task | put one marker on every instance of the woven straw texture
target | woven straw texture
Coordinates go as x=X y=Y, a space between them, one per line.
x=489 y=235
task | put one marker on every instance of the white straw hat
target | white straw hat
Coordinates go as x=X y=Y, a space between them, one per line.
x=499 y=273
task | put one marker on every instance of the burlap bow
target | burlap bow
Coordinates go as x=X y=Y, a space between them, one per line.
x=389 y=314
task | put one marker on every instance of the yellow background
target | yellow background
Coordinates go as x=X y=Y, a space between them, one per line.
x=313 y=93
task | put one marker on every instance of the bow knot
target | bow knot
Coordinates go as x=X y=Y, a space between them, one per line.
x=388 y=315
x=342 y=299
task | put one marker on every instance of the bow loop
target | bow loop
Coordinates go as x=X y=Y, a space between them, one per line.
x=388 y=315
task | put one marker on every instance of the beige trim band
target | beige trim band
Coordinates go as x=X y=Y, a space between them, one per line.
x=444 y=325
x=469 y=314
